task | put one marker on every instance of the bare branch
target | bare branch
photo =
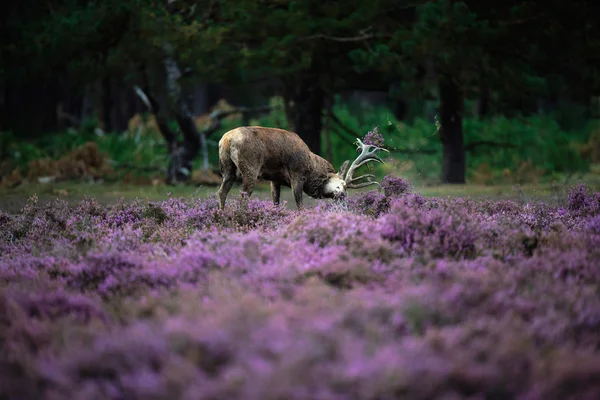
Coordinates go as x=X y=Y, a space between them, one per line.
x=143 y=97
x=362 y=36
x=73 y=120
x=218 y=115
x=163 y=126
x=338 y=39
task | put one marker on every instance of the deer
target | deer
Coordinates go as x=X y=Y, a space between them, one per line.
x=255 y=153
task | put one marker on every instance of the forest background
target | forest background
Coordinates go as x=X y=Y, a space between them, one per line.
x=482 y=92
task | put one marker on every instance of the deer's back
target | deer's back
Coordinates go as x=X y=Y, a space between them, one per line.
x=271 y=148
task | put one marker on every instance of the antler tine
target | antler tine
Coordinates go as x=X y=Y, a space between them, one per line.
x=367 y=154
x=343 y=168
x=362 y=177
x=354 y=185
x=361 y=185
x=368 y=146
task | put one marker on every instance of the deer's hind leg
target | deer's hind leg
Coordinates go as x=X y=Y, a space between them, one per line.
x=248 y=162
x=249 y=179
x=228 y=170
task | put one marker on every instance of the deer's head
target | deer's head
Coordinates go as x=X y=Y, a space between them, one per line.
x=336 y=185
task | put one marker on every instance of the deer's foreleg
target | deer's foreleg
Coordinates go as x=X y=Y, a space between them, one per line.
x=297 y=187
x=275 y=192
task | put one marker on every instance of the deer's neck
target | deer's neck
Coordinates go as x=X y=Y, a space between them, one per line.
x=316 y=180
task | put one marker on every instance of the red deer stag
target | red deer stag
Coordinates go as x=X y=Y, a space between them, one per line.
x=282 y=157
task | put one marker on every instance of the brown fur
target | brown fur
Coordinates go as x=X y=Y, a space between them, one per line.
x=276 y=155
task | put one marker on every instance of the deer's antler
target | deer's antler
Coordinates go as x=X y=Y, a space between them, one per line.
x=367 y=154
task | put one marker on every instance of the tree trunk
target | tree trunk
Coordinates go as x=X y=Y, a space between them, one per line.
x=105 y=120
x=327 y=131
x=400 y=109
x=200 y=101
x=483 y=104
x=113 y=106
x=181 y=161
x=451 y=108
x=183 y=152
x=87 y=106
x=29 y=108
x=119 y=113
x=305 y=111
x=69 y=104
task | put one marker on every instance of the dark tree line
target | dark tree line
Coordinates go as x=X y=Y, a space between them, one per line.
x=64 y=59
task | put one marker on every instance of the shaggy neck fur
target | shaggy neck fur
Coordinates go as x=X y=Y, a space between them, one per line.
x=316 y=181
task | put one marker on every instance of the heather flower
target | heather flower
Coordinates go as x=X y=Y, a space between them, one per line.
x=593 y=225
x=582 y=201
x=122 y=213
x=394 y=186
x=374 y=138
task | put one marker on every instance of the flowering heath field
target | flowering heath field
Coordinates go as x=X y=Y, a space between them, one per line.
x=386 y=295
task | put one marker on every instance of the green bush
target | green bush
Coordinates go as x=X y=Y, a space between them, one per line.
x=500 y=148
x=500 y=145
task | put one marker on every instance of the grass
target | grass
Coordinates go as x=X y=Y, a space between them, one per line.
x=12 y=200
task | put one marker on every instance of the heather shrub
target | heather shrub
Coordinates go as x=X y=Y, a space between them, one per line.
x=201 y=212
x=356 y=234
x=20 y=345
x=53 y=305
x=393 y=186
x=27 y=214
x=98 y=271
x=371 y=203
x=376 y=202
x=154 y=211
x=122 y=213
x=435 y=232
x=325 y=229
x=388 y=295
x=566 y=375
x=345 y=273
x=111 y=367
x=593 y=225
x=498 y=208
x=582 y=201
x=574 y=266
x=35 y=327
x=246 y=214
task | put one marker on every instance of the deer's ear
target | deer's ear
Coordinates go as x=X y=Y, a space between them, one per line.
x=343 y=169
